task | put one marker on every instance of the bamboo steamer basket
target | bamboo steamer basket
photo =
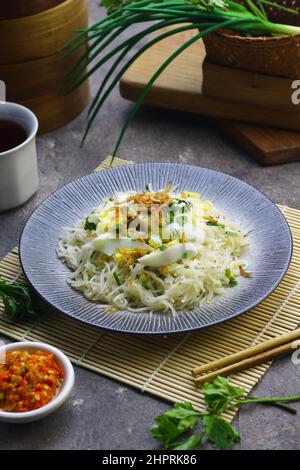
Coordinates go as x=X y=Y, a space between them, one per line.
x=44 y=95
x=278 y=55
x=35 y=78
x=20 y=8
x=41 y=35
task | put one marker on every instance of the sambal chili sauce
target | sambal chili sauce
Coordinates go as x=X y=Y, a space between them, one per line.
x=28 y=381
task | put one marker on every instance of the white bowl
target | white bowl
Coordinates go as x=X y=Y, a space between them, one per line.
x=64 y=391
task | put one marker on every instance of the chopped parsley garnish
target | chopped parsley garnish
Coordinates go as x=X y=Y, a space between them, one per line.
x=89 y=225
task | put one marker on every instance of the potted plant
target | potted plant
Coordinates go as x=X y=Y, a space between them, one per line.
x=277 y=55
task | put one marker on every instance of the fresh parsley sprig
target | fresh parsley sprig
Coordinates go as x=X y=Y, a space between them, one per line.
x=171 y=424
x=219 y=396
x=17 y=300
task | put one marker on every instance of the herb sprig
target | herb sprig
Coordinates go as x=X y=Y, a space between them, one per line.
x=17 y=300
x=219 y=397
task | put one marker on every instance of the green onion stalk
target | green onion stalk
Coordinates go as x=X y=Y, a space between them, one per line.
x=203 y=16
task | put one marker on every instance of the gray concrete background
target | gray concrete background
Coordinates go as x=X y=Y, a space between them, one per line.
x=103 y=414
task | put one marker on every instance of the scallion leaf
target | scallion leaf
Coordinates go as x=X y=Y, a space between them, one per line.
x=162 y=247
x=117 y=279
x=215 y=224
x=89 y=225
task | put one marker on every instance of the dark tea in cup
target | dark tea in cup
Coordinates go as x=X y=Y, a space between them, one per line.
x=18 y=160
x=12 y=134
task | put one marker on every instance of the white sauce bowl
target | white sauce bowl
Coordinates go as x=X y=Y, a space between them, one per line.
x=63 y=393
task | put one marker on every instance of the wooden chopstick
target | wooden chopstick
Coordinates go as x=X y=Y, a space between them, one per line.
x=246 y=363
x=239 y=356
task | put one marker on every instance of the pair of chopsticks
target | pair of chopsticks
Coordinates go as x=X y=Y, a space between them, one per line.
x=247 y=358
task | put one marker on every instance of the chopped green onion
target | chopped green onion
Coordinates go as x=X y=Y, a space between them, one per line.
x=117 y=279
x=89 y=225
x=145 y=285
x=184 y=201
x=190 y=307
x=183 y=219
x=231 y=234
x=215 y=224
x=162 y=247
x=172 y=217
x=232 y=282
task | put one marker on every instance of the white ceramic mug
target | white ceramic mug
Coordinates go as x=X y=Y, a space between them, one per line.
x=18 y=166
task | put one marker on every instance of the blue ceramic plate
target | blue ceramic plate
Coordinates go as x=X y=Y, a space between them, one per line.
x=269 y=251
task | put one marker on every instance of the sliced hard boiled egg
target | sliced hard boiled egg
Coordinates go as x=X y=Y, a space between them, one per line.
x=169 y=255
x=109 y=246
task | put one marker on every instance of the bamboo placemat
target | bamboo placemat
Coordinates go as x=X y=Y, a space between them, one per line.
x=162 y=365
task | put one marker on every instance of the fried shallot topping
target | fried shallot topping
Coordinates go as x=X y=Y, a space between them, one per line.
x=149 y=199
x=244 y=273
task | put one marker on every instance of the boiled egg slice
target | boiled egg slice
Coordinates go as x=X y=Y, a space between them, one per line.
x=169 y=255
x=109 y=246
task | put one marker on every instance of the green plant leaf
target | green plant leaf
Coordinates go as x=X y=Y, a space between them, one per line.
x=191 y=443
x=159 y=71
x=135 y=40
x=171 y=424
x=123 y=70
x=17 y=300
x=220 y=433
x=220 y=395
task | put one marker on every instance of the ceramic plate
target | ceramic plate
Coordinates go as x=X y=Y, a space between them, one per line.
x=269 y=251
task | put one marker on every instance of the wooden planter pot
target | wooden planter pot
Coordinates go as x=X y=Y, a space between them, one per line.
x=31 y=65
x=279 y=56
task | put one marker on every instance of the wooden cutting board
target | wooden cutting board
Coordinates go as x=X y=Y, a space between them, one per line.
x=180 y=87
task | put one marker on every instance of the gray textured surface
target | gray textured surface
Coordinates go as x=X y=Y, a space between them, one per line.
x=102 y=414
